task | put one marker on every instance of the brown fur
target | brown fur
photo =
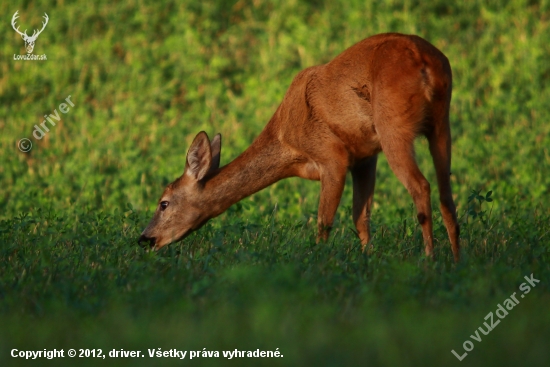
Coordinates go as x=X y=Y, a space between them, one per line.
x=377 y=95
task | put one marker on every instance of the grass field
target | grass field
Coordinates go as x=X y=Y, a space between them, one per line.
x=144 y=78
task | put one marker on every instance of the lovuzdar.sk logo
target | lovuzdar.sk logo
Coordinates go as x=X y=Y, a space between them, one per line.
x=29 y=40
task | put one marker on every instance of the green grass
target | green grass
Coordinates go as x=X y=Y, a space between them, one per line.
x=145 y=78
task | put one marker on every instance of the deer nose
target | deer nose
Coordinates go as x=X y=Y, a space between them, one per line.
x=151 y=240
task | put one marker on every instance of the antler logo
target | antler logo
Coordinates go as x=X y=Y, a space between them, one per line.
x=29 y=41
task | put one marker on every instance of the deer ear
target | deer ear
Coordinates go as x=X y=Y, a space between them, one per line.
x=199 y=157
x=216 y=147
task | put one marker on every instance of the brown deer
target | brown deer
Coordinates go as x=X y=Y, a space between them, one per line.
x=377 y=95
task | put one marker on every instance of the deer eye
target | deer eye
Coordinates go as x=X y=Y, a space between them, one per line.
x=163 y=205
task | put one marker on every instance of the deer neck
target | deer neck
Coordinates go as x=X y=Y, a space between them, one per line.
x=260 y=165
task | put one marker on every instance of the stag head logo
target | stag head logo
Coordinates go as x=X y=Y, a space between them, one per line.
x=29 y=40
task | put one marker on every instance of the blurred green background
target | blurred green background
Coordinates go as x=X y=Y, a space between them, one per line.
x=145 y=77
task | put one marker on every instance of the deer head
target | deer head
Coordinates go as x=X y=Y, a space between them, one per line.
x=181 y=208
x=29 y=41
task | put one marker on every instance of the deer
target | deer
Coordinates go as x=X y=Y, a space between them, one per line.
x=29 y=41
x=378 y=95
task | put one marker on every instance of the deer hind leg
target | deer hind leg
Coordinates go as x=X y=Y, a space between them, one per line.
x=440 y=148
x=364 y=177
x=399 y=151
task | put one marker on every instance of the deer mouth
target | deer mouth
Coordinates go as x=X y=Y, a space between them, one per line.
x=156 y=243
x=149 y=241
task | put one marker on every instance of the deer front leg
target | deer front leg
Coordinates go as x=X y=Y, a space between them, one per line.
x=333 y=179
